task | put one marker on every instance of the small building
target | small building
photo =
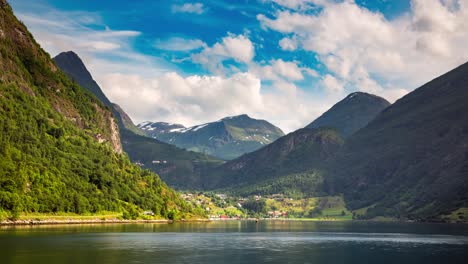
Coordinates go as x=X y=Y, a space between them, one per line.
x=223 y=217
x=221 y=196
x=148 y=213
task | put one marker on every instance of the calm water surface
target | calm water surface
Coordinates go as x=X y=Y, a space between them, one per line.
x=237 y=242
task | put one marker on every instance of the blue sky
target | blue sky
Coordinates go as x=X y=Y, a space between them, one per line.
x=286 y=61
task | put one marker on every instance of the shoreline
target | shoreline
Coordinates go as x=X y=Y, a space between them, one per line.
x=32 y=222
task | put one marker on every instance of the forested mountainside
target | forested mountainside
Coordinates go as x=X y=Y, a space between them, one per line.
x=296 y=160
x=411 y=161
x=60 y=147
x=300 y=151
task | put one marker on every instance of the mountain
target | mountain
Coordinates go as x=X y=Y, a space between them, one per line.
x=177 y=167
x=352 y=113
x=60 y=147
x=411 y=161
x=227 y=138
x=156 y=128
x=300 y=156
x=73 y=66
x=301 y=151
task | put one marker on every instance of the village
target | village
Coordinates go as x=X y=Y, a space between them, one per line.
x=221 y=206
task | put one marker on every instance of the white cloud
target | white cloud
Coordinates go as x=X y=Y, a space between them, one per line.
x=149 y=89
x=179 y=44
x=281 y=70
x=102 y=49
x=332 y=85
x=99 y=45
x=194 y=8
x=236 y=47
x=366 y=51
x=197 y=99
x=299 y=4
x=288 y=44
x=293 y=4
x=389 y=60
x=73 y=33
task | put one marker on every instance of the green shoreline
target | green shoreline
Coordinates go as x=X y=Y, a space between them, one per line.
x=35 y=222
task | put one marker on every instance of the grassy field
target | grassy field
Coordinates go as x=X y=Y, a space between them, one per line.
x=69 y=216
x=316 y=208
x=102 y=216
x=458 y=215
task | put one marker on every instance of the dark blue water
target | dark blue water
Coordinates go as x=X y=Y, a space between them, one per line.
x=237 y=242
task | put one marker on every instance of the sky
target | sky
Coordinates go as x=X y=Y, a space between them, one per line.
x=286 y=61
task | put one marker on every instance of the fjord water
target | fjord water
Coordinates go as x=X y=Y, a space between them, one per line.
x=237 y=242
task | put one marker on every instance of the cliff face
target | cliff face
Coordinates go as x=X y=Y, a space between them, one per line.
x=73 y=67
x=115 y=136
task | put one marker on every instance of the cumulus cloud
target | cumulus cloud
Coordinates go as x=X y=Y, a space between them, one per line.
x=179 y=44
x=358 y=50
x=235 y=47
x=332 y=85
x=148 y=89
x=288 y=44
x=366 y=51
x=279 y=69
x=197 y=99
x=194 y=8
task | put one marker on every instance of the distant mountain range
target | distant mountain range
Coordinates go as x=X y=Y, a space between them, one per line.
x=227 y=138
x=176 y=166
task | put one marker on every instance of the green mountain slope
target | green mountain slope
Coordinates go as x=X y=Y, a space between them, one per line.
x=177 y=167
x=412 y=160
x=74 y=67
x=296 y=185
x=59 y=145
x=227 y=138
x=352 y=113
x=293 y=164
x=303 y=150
